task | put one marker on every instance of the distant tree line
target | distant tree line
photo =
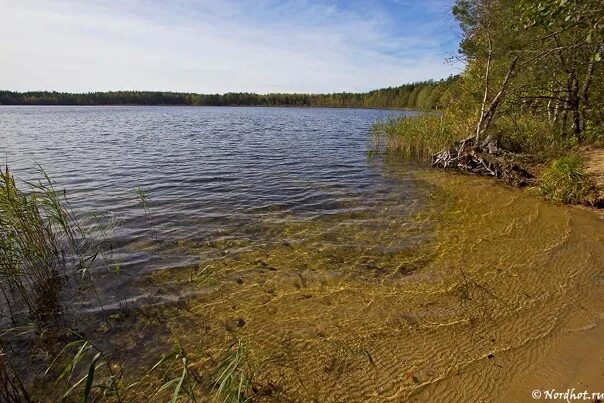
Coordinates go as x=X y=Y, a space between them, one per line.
x=420 y=95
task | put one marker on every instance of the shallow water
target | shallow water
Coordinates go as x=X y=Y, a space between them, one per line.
x=348 y=278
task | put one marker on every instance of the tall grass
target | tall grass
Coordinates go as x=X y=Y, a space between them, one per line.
x=565 y=181
x=34 y=229
x=85 y=371
x=412 y=137
x=144 y=202
x=531 y=135
x=43 y=245
x=90 y=360
x=180 y=384
x=422 y=136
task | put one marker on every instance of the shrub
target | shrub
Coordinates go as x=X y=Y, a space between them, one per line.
x=529 y=134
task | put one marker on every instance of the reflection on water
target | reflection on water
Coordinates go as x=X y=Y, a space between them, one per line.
x=348 y=279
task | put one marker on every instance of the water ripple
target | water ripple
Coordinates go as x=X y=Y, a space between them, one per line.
x=204 y=170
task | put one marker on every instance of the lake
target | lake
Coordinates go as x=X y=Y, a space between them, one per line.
x=206 y=172
x=348 y=277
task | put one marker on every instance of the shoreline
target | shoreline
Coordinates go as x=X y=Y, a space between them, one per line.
x=226 y=106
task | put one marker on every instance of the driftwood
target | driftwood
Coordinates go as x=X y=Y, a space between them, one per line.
x=485 y=159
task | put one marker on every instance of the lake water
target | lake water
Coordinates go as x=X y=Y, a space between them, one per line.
x=348 y=278
x=196 y=162
x=208 y=173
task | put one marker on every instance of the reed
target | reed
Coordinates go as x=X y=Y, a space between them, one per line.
x=143 y=199
x=233 y=377
x=86 y=371
x=33 y=230
x=11 y=388
x=412 y=137
x=43 y=245
x=182 y=384
x=80 y=370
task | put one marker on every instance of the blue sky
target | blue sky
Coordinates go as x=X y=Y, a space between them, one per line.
x=224 y=45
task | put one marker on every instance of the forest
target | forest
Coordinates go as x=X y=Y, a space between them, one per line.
x=531 y=92
x=420 y=95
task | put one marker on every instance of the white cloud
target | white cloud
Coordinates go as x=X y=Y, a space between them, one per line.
x=204 y=47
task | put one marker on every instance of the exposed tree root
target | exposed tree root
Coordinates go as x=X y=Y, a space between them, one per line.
x=485 y=159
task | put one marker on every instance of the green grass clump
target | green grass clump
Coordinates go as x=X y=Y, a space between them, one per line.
x=42 y=245
x=412 y=137
x=565 y=181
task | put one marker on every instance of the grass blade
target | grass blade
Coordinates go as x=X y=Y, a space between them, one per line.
x=90 y=377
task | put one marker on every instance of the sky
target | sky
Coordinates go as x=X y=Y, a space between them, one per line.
x=218 y=46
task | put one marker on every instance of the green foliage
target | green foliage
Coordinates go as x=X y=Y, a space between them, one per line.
x=535 y=78
x=557 y=45
x=593 y=132
x=532 y=135
x=564 y=181
x=582 y=19
x=392 y=97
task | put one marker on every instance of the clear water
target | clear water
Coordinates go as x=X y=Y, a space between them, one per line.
x=208 y=173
